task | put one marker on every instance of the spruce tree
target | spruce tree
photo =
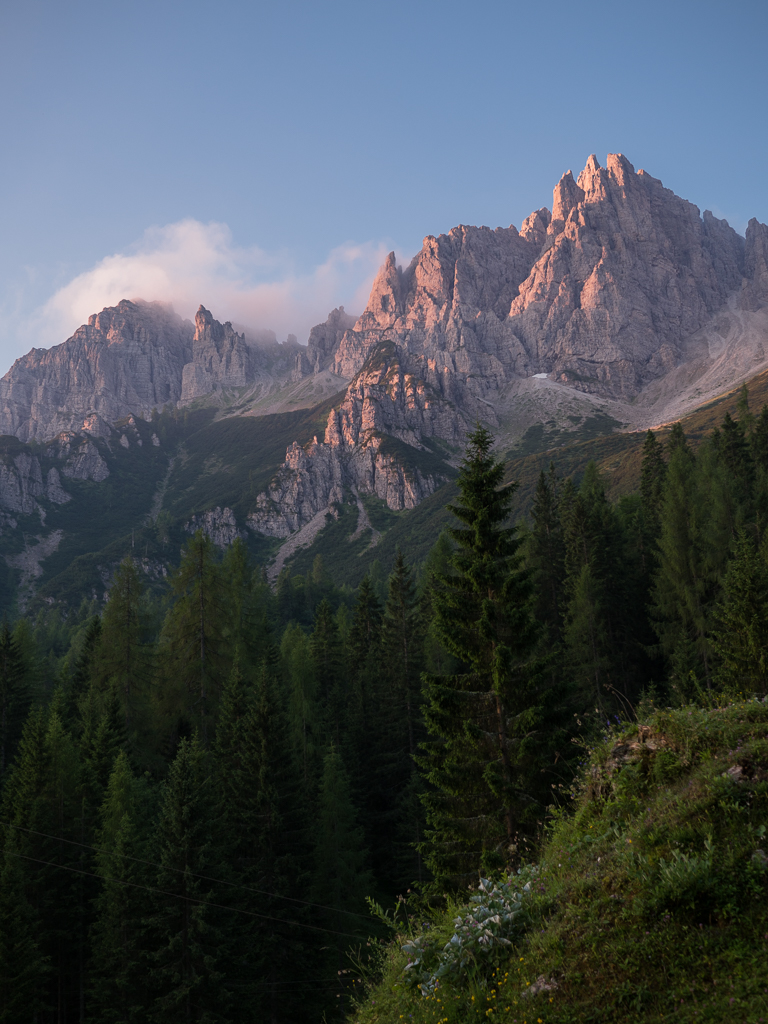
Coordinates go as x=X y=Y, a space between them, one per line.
x=301 y=702
x=438 y=562
x=327 y=658
x=124 y=658
x=735 y=452
x=759 y=440
x=398 y=731
x=259 y=793
x=42 y=805
x=15 y=698
x=24 y=969
x=342 y=880
x=590 y=616
x=402 y=647
x=193 y=637
x=365 y=654
x=81 y=661
x=586 y=638
x=683 y=589
x=677 y=440
x=118 y=974
x=546 y=555
x=184 y=933
x=478 y=718
x=740 y=633
x=653 y=470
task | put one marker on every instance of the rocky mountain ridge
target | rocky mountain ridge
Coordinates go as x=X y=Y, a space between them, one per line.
x=604 y=294
x=621 y=303
x=601 y=292
x=130 y=359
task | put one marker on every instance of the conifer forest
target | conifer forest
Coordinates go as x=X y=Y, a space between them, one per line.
x=202 y=793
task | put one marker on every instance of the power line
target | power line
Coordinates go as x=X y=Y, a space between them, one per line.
x=205 y=878
x=178 y=896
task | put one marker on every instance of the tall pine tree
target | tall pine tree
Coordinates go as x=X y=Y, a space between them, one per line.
x=478 y=719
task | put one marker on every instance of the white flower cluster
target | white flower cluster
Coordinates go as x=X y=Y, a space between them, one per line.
x=495 y=914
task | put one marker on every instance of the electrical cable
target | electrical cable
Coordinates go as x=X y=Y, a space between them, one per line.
x=205 y=878
x=178 y=896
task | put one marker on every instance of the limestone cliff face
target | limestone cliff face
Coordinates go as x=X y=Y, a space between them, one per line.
x=383 y=401
x=128 y=358
x=324 y=339
x=601 y=291
x=755 y=293
x=220 y=358
x=447 y=311
x=217 y=523
x=24 y=482
x=628 y=272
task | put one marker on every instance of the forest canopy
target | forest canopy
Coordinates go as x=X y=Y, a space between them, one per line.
x=200 y=791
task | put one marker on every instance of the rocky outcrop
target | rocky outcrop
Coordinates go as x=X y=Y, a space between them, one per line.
x=220 y=358
x=217 y=523
x=601 y=291
x=382 y=402
x=324 y=339
x=446 y=312
x=126 y=359
x=82 y=459
x=53 y=489
x=755 y=291
x=632 y=270
x=22 y=483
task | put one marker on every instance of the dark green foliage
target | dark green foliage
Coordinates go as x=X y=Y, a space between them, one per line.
x=685 y=584
x=15 y=696
x=477 y=718
x=207 y=785
x=124 y=660
x=652 y=475
x=83 y=672
x=184 y=936
x=402 y=648
x=23 y=968
x=546 y=554
x=118 y=989
x=193 y=636
x=604 y=586
x=327 y=659
x=342 y=880
x=42 y=809
x=740 y=634
x=759 y=440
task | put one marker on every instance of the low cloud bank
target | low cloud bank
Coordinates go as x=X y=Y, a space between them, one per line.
x=189 y=263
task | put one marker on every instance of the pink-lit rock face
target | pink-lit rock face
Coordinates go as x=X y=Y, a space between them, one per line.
x=220 y=357
x=605 y=288
x=129 y=358
x=600 y=293
x=382 y=401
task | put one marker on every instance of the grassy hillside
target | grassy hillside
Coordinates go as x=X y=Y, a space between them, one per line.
x=649 y=902
x=618 y=455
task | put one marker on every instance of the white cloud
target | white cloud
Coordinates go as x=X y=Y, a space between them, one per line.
x=189 y=263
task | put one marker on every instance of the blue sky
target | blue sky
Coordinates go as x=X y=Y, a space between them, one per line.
x=261 y=157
